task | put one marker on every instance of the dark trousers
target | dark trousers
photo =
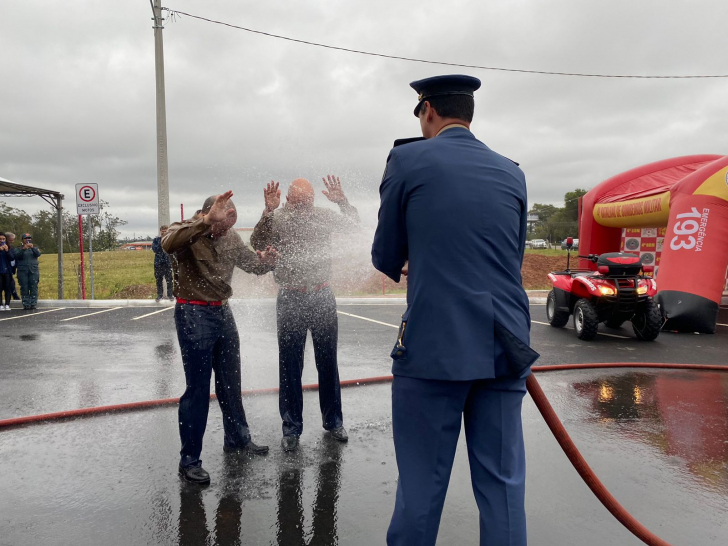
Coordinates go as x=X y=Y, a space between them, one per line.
x=28 y=279
x=13 y=289
x=160 y=274
x=6 y=288
x=426 y=417
x=297 y=313
x=208 y=339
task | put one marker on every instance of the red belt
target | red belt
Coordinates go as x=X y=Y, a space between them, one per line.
x=305 y=289
x=200 y=302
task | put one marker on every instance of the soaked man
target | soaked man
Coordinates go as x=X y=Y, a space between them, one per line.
x=457 y=211
x=301 y=233
x=206 y=252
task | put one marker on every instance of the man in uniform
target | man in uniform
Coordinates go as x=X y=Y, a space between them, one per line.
x=26 y=262
x=206 y=252
x=457 y=212
x=302 y=235
x=11 y=243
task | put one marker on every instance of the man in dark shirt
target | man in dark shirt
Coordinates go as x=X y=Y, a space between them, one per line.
x=162 y=265
x=206 y=252
x=301 y=233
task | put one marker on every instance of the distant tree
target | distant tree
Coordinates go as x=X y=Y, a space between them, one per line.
x=15 y=220
x=557 y=223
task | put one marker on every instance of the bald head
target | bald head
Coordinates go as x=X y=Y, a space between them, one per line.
x=300 y=193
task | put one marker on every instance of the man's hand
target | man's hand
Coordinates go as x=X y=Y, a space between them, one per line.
x=334 y=194
x=272 y=196
x=269 y=256
x=405 y=269
x=218 y=212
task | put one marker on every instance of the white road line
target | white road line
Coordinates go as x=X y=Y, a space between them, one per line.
x=369 y=320
x=154 y=313
x=89 y=314
x=598 y=333
x=34 y=314
x=719 y=324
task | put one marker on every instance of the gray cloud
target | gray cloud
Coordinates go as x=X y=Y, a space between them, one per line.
x=77 y=100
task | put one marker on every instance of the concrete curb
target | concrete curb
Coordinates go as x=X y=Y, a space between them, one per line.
x=534 y=296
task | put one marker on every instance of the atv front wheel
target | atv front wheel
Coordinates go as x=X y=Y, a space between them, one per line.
x=647 y=324
x=586 y=320
x=556 y=317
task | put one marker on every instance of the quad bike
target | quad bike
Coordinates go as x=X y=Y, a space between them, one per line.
x=617 y=292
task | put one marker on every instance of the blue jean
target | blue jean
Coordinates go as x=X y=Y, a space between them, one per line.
x=298 y=312
x=208 y=339
x=426 y=417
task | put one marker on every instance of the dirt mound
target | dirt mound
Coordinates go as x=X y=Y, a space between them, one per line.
x=537 y=266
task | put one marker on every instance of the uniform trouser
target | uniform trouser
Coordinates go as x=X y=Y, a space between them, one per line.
x=6 y=288
x=208 y=339
x=28 y=279
x=426 y=416
x=160 y=275
x=298 y=312
x=13 y=289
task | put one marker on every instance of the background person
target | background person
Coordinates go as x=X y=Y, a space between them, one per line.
x=457 y=211
x=11 y=243
x=162 y=265
x=206 y=251
x=302 y=235
x=6 y=273
x=26 y=262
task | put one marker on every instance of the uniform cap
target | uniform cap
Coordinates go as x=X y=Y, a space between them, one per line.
x=438 y=86
x=27 y=236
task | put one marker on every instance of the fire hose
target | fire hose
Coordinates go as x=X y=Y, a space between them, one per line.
x=534 y=389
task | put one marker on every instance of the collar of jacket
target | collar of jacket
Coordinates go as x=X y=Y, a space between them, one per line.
x=451 y=126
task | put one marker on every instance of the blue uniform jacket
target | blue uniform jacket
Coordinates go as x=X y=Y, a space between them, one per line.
x=6 y=259
x=457 y=212
x=26 y=258
x=161 y=258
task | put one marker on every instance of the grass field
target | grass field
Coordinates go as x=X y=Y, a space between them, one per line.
x=114 y=273
x=130 y=275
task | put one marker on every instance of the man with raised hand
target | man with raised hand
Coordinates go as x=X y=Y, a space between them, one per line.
x=301 y=233
x=206 y=252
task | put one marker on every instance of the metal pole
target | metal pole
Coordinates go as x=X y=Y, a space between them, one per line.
x=91 y=252
x=59 y=214
x=80 y=244
x=162 y=167
x=181 y=212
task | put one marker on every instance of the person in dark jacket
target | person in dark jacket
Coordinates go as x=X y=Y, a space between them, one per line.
x=11 y=243
x=456 y=212
x=6 y=273
x=162 y=266
x=26 y=261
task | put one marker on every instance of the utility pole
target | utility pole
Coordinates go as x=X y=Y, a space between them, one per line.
x=162 y=167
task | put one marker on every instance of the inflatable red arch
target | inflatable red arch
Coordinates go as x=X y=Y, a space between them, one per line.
x=689 y=197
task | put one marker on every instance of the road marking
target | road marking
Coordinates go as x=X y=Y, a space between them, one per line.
x=154 y=313
x=719 y=324
x=34 y=314
x=89 y=314
x=369 y=320
x=598 y=333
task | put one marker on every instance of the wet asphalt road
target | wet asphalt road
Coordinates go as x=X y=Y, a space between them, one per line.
x=658 y=440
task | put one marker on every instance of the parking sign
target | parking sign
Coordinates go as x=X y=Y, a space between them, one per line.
x=87 y=199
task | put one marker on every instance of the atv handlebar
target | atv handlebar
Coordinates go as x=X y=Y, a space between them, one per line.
x=590 y=257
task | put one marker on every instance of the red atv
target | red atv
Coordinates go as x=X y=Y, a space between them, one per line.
x=618 y=291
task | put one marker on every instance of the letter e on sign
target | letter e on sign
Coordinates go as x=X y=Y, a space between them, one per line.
x=87 y=199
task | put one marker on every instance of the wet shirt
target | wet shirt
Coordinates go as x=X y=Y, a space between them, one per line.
x=302 y=238
x=203 y=264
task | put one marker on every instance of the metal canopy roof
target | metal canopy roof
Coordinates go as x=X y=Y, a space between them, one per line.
x=12 y=189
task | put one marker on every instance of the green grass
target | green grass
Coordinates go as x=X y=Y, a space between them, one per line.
x=549 y=252
x=113 y=272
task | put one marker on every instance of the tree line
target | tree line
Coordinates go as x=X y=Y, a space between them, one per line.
x=43 y=226
x=557 y=223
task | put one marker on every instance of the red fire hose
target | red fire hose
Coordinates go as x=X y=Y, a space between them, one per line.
x=534 y=389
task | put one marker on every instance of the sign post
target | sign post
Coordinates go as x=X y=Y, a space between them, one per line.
x=87 y=203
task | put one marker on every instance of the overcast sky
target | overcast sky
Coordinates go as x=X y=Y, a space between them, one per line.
x=77 y=98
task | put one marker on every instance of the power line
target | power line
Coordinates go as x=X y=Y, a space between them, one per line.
x=442 y=63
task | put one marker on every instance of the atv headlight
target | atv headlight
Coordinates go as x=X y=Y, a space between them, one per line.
x=606 y=290
x=642 y=290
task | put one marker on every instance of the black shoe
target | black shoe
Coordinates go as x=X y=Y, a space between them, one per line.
x=194 y=474
x=250 y=448
x=26 y=307
x=33 y=307
x=289 y=443
x=339 y=433
x=158 y=300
